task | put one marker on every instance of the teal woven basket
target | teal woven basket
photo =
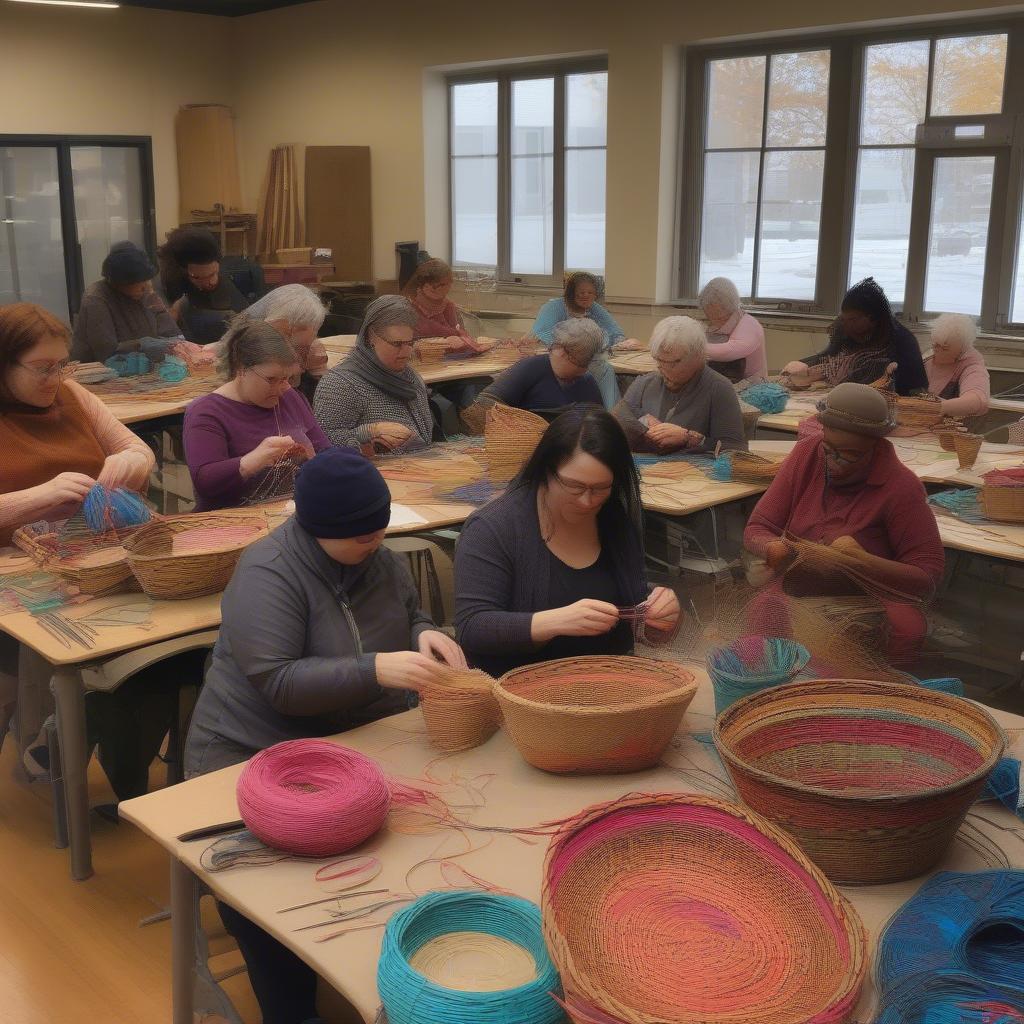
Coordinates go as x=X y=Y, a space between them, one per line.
x=517 y=953
x=751 y=664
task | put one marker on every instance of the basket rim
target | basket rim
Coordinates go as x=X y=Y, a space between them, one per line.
x=745 y=703
x=687 y=688
x=169 y=521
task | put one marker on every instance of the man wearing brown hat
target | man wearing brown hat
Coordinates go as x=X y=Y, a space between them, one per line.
x=848 y=489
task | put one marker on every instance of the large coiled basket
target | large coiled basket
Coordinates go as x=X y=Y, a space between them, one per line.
x=683 y=908
x=594 y=714
x=872 y=779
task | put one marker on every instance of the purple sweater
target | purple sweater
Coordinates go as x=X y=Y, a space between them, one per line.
x=219 y=431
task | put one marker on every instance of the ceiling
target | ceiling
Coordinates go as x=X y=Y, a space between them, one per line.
x=223 y=8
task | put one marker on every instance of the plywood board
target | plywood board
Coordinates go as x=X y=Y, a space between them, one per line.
x=207 y=160
x=338 y=207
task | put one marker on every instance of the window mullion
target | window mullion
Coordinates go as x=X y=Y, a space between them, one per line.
x=920 y=218
x=504 y=177
x=558 y=181
x=997 y=230
x=1010 y=252
x=756 y=269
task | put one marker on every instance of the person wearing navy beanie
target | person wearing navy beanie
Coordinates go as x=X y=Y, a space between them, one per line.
x=321 y=631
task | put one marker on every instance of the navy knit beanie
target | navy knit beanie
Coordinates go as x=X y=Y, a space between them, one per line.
x=340 y=493
x=126 y=263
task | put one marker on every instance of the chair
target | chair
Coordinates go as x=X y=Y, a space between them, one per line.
x=432 y=571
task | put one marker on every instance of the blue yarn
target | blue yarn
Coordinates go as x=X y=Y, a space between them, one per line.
x=1004 y=785
x=119 y=509
x=410 y=998
x=721 y=468
x=946 y=684
x=766 y=396
x=948 y=997
x=128 y=364
x=963 y=503
x=733 y=676
x=963 y=922
x=172 y=369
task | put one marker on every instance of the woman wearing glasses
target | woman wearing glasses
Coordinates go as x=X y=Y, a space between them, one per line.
x=236 y=435
x=541 y=572
x=374 y=400
x=683 y=405
x=848 y=489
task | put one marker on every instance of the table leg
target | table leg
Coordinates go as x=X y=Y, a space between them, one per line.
x=70 y=700
x=183 y=938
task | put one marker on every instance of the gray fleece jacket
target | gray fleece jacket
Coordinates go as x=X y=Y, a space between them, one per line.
x=295 y=655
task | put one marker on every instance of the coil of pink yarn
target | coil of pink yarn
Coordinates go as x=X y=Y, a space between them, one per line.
x=312 y=798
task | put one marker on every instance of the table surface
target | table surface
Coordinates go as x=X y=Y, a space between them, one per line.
x=501 y=789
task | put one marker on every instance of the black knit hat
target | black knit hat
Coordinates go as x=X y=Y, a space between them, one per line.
x=126 y=263
x=340 y=493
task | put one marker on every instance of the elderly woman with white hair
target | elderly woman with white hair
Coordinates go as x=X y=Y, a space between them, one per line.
x=956 y=370
x=684 y=404
x=298 y=314
x=735 y=338
x=553 y=380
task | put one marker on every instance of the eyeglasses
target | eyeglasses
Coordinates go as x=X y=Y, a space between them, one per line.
x=661 y=361
x=396 y=345
x=564 y=352
x=48 y=371
x=273 y=382
x=842 y=458
x=578 y=489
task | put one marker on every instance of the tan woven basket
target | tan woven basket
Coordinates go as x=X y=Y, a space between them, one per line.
x=510 y=436
x=102 y=571
x=750 y=468
x=431 y=350
x=1002 y=504
x=947 y=439
x=872 y=779
x=191 y=571
x=594 y=714
x=462 y=713
x=919 y=412
x=967 y=447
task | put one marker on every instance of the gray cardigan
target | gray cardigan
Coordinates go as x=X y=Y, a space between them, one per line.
x=295 y=656
x=502 y=572
x=107 y=319
x=706 y=403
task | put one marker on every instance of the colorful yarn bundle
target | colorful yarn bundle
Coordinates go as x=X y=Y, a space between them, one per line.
x=959 y=940
x=128 y=364
x=467 y=958
x=173 y=369
x=962 y=503
x=1004 y=785
x=947 y=998
x=872 y=779
x=312 y=798
x=767 y=396
x=118 y=509
x=751 y=664
x=682 y=908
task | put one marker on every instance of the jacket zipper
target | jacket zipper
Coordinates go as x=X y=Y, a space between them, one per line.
x=351 y=620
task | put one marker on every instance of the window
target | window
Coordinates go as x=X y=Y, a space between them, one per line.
x=912 y=183
x=63 y=203
x=527 y=173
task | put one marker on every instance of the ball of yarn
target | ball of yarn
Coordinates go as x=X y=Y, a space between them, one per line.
x=499 y=990
x=116 y=509
x=173 y=369
x=767 y=396
x=312 y=798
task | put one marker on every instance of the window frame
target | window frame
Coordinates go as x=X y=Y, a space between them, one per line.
x=505 y=76
x=842 y=149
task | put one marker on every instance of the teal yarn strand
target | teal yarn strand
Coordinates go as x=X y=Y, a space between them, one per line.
x=752 y=664
x=766 y=396
x=411 y=998
x=960 y=502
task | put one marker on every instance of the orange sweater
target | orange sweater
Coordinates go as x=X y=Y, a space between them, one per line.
x=78 y=433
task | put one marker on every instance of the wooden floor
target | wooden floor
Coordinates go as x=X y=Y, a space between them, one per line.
x=74 y=952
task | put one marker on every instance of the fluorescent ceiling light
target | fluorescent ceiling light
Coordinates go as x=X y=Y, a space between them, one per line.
x=67 y=3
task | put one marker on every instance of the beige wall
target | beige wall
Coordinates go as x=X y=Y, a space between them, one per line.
x=340 y=73
x=122 y=72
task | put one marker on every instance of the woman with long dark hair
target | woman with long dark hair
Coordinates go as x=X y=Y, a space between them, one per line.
x=541 y=572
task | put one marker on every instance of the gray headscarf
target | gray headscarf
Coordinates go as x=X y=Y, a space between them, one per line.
x=385 y=311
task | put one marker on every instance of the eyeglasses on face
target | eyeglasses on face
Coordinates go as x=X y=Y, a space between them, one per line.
x=578 y=488
x=575 y=362
x=846 y=456
x=48 y=370
x=273 y=382
x=396 y=345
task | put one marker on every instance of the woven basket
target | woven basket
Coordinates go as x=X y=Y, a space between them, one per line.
x=173 y=574
x=751 y=468
x=102 y=571
x=684 y=909
x=510 y=436
x=922 y=412
x=431 y=350
x=967 y=447
x=872 y=779
x=594 y=714
x=1001 y=504
x=462 y=713
x=751 y=664
x=947 y=439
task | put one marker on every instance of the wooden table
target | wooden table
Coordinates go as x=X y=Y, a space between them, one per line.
x=634 y=363
x=515 y=794
x=174 y=626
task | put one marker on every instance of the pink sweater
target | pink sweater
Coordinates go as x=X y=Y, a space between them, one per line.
x=971 y=374
x=745 y=341
x=128 y=463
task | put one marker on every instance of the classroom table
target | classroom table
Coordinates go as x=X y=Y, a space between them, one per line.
x=633 y=363
x=174 y=625
x=511 y=793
